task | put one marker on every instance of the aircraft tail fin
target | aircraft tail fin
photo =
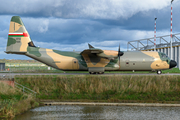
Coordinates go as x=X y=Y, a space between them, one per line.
x=18 y=37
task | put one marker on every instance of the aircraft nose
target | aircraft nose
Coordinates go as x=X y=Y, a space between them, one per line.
x=172 y=64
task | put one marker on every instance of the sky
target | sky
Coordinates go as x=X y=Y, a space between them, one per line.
x=69 y=25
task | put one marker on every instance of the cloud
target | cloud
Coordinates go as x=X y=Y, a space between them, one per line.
x=108 y=44
x=43 y=26
x=105 y=45
x=121 y=8
x=77 y=31
x=3 y=45
x=101 y=9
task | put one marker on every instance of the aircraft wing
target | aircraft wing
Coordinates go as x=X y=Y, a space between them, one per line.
x=107 y=54
x=96 y=59
x=92 y=51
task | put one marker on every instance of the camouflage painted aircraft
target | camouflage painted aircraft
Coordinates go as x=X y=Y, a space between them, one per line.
x=93 y=59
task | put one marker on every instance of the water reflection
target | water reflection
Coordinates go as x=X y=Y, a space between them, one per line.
x=100 y=112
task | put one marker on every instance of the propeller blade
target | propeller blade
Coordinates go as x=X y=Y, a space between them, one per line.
x=119 y=52
x=119 y=55
x=119 y=48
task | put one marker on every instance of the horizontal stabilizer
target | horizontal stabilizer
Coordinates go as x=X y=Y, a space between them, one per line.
x=15 y=52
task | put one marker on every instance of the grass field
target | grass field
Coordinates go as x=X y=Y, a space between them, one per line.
x=160 y=89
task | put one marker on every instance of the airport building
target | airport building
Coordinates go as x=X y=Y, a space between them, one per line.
x=2 y=66
x=163 y=44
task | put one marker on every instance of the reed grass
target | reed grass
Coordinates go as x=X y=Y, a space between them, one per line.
x=109 y=88
x=13 y=101
x=8 y=92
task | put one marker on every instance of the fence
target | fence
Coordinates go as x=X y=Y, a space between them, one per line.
x=24 y=89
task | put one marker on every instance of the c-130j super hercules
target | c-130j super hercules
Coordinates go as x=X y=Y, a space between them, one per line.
x=93 y=59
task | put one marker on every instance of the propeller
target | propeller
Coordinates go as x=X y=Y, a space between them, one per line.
x=119 y=55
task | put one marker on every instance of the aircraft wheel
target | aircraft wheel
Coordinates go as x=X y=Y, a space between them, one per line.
x=100 y=72
x=159 y=72
x=92 y=72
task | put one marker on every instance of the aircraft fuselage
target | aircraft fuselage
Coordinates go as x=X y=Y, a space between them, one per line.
x=137 y=60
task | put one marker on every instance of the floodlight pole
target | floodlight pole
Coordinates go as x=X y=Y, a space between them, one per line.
x=171 y=30
x=155 y=35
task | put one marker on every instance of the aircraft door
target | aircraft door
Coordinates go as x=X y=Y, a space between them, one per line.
x=75 y=64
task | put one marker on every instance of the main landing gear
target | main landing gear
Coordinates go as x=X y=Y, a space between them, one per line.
x=96 y=72
x=159 y=72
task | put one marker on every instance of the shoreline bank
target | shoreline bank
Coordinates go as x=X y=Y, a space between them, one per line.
x=112 y=104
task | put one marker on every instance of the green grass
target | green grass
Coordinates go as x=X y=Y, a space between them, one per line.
x=174 y=70
x=104 y=88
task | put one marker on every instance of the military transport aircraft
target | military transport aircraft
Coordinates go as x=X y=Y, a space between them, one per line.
x=93 y=59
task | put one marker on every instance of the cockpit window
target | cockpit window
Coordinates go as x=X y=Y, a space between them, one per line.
x=164 y=55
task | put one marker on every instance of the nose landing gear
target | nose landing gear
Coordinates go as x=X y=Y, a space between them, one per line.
x=159 y=72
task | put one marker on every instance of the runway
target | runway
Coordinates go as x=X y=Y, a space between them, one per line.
x=105 y=74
